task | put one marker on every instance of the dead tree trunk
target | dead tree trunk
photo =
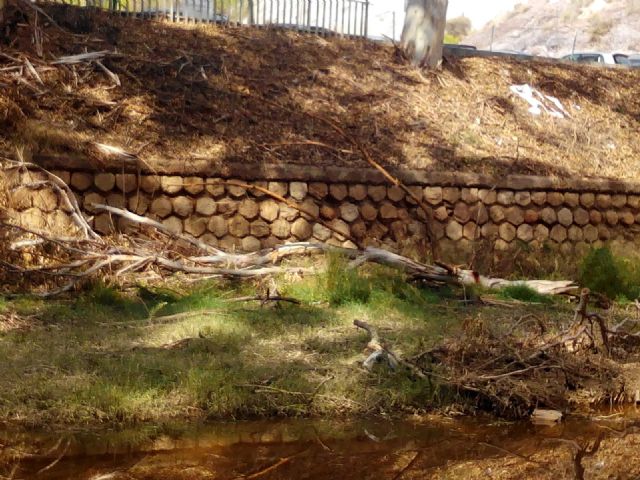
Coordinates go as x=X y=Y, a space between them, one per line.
x=423 y=32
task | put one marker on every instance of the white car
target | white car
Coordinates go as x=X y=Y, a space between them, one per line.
x=598 y=57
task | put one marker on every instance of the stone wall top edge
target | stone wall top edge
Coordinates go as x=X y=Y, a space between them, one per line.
x=332 y=174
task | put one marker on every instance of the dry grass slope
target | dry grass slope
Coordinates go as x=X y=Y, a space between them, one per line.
x=231 y=95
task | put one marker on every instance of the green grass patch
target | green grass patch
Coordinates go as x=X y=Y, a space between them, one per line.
x=107 y=356
x=524 y=293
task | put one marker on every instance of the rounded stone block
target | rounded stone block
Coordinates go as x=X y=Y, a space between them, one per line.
x=239 y=226
x=341 y=229
x=320 y=232
x=260 y=229
x=227 y=207
x=603 y=232
x=328 y=212
x=581 y=216
x=565 y=217
x=555 y=199
x=195 y=226
x=558 y=234
x=539 y=198
x=471 y=231
x=575 y=233
x=587 y=200
x=289 y=213
x=310 y=208
x=454 y=230
x=349 y=212
x=506 y=197
x=377 y=193
x=461 y=212
x=388 y=211
x=236 y=191
x=441 y=213
x=250 y=244
x=515 y=216
x=626 y=217
x=525 y=233
x=612 y=217
x=619 y=200
x=497 y=213
x=548 y=215
x=416 y=193
x=127 y=182
x=359 y=229
x=523 y=198
x=104 y=181
x=249 y=209
x=214 y=187
x=432 y=195
x=139 y=203
x=368 y=211
x=395 y=193
x=298 y=190
x=603 y=200
x=116 y=200
x=182 y=206
x=279 y=188
x=338 y=191
x=319 y=190
x=301 y=229
x=150 y=183
x=451 y=194
x=81 y=181
x=595 y=217
x=501 y=246
x=507 y=232
x=218 y=226
x=479 y=214
x=281 y=228
x=206 y=206
x=572 y=199
x=173 y=224
x=171 y=184
x=531 y=216
x=633 y=201
x=469 y=195
x=488 y=197
x=590 y=233
x=194 y=185
x=269 y=210
x=91 y=199
x=357 y=192
x=541 y=233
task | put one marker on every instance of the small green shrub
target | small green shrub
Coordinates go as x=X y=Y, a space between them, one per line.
x=524 y=293
x=614 y=276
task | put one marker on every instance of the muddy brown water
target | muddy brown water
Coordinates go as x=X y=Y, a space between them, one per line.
x=421 y=448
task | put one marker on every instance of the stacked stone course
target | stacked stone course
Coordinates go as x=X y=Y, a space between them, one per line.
x=461 y=218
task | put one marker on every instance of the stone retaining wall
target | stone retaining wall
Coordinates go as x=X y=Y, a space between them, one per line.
x=466 y=219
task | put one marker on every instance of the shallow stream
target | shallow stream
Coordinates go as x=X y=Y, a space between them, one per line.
x=577 y=448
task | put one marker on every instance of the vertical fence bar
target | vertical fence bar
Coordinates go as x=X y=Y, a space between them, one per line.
x=366 y=20
x=349 y=18
x=324 y=17
x=309 y=16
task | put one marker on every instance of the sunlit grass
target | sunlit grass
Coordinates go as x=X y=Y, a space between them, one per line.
x=114 y=357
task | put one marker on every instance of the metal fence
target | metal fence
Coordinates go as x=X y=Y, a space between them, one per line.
x=322 y=17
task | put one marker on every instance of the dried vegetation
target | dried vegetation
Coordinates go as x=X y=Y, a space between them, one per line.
x=174 y=92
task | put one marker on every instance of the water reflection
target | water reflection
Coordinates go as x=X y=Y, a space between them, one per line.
x=424 y=448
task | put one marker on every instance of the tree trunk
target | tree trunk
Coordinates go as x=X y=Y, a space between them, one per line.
x=423 y=32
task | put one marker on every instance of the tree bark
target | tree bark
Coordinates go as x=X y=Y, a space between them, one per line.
x=423 y=32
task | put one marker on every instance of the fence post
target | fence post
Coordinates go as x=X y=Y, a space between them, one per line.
x=366 y=20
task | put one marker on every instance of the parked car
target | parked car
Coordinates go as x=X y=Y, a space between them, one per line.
x=598 y=57
x=634 y=61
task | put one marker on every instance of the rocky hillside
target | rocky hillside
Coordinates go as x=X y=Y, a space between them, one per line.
x=549 y=27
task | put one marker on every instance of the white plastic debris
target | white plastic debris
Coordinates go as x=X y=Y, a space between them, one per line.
x=539 y=102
